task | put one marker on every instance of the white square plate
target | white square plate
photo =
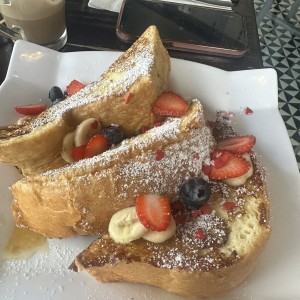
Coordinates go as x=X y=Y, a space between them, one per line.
x=34 y=69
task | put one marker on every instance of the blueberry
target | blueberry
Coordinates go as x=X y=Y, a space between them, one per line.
x=195 y=193
x=56 y=94
x=114 y=134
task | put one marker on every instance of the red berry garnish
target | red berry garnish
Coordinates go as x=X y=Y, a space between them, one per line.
x=200 y=234
x=203 y=210
x=196 y=156
x=195 y=213
x=229 y=205
x=159 y=154
x=128 y=96
x=248 y=111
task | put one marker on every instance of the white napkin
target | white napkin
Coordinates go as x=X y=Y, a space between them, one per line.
x=111 y=5
x=115 y=5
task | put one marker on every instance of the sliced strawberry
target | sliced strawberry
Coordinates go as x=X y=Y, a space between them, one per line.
x=154 y=211
x=78 y=153
x=31 y=110
x=170 y=104
x=74 y=87
x=97 y=145
x=220 y=158
x=234 y=167
x=238 y=144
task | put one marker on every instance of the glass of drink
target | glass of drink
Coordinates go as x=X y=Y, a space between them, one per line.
x=37 y=21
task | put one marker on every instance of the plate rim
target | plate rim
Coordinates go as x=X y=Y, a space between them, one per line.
x=35 y=47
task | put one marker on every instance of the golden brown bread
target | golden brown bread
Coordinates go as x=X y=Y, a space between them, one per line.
x=82 y=197
x=143 y=70
x=184 y=264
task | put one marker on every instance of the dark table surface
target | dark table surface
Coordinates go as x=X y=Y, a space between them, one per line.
x=93 y=29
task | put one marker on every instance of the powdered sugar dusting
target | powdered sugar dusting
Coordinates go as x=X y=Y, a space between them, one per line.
x=188 y=250
x=213 y=226
x=58 y=258
x=46 y=275
x=144 y=174
x=121 y=173
x=157 y=176
x=198 y=142
x=116 y=81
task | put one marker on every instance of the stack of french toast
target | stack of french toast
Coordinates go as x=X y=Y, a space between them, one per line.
x=178 y=202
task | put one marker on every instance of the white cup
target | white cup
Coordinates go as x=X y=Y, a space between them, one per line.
x=37 y=21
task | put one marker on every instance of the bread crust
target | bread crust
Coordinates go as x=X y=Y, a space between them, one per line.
x=142 y=70
x=194 y=284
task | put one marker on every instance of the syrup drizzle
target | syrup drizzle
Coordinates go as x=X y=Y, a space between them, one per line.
x=24 y=243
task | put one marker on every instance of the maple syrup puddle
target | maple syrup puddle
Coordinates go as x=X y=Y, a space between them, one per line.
x=24 y=243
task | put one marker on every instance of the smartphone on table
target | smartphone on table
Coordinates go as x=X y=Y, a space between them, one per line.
x=186 y=27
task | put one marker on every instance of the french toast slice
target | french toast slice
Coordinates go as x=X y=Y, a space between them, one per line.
x=143 y=71
x=82 y=197
x=187 y=264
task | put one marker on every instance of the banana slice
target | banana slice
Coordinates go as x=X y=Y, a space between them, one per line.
x=24 y=120
x=67 y=147
x=86 y=130
x=239 y=181
x=125 y=226
x=161 y=236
